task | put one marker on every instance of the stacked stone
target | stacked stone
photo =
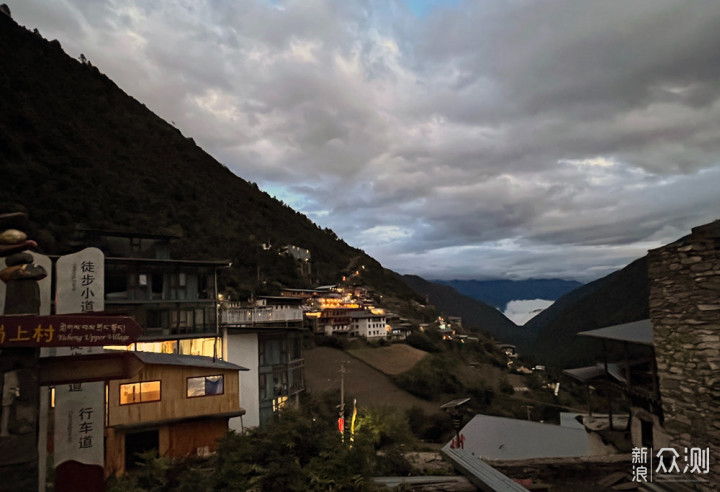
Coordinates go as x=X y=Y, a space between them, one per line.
x=22 y=295
x=685 y=313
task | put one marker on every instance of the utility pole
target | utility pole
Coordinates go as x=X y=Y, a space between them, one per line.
x=341 y=420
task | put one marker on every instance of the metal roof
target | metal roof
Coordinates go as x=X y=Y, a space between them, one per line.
x=184 y=360
x=587 y=374
x=499 y=438
x=569 y=419
x=636 y=332
x=159 y=261
x=482 y=475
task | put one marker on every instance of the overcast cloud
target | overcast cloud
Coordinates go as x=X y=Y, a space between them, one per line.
x=448 y=139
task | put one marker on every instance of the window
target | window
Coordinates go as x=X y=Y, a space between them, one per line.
x=205 y=386
x=157 y=285
x=263 y=386
x=279 y=403
x=280 y=381
x=297 y=348
x=139 y=392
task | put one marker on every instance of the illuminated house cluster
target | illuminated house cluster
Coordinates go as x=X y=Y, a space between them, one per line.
x=344 y=312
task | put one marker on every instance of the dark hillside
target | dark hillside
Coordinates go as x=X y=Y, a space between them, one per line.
x=75 y=149
x=621 y=297
x=476 y=315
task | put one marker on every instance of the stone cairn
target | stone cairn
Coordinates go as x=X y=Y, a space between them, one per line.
x=22 y=295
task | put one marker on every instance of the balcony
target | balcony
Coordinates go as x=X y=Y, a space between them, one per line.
x=236 y=316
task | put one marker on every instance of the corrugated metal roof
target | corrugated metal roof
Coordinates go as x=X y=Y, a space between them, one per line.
x=482 y=475
x=184 y=360
x=636 y=332
x=499 y=438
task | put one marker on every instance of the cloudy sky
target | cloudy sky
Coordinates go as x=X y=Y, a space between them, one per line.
x=451 y=139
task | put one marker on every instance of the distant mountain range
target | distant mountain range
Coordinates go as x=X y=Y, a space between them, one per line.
x=476 y=315
x=550 y=337
x=499 y=292
x=620 y=297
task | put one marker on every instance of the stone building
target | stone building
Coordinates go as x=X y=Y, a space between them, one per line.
x=685 y=314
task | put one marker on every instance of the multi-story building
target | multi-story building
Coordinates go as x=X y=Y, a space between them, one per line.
x=266 y=337
x=175 y=301
x=368 y=324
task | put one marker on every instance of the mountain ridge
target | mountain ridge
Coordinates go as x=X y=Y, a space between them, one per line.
x=499 y=292
x=77 y=150
x=476 y=315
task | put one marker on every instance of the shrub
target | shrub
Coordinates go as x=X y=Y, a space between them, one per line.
x=421 y=341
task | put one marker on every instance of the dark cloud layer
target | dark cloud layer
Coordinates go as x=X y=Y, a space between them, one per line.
x=477 y=139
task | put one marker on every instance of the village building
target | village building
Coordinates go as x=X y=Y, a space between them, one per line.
x=668 y=367
x=266 y=337
x=369 y=325
x=301 y=256
x=175 y=301
x=176 y=404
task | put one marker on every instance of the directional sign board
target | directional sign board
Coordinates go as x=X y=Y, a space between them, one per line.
x=67 y=330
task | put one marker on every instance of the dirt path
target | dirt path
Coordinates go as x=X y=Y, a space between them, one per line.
x=368 y=385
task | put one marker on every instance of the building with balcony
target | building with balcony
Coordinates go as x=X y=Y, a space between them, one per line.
x=266 y=337
x=175 y=301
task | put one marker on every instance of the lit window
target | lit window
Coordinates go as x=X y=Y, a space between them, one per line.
x=205 y=386
x=139 y=392
x=279 y=403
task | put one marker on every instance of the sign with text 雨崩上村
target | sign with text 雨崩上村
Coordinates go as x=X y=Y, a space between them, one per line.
x=67 y=330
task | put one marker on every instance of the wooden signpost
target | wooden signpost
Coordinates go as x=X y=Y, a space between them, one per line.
x=67 y=330
x=25 y=330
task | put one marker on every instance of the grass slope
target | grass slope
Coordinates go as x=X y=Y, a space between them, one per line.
x=395 y=359
x=371 y=387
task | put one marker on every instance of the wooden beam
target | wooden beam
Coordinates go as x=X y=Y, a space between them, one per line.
x=88 y=368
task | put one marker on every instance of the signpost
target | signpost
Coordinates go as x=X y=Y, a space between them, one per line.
x=67 y=330
x=26 y=329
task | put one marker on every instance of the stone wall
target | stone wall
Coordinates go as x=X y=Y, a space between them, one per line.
x=685 y=313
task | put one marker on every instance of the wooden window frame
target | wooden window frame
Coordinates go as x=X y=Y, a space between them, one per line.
x=140 y=383
x=187 y=382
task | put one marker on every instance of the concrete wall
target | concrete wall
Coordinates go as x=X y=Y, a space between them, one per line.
x=685 y=312
x=242 y=349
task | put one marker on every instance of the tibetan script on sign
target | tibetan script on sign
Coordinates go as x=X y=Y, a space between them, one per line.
x=67 y=330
